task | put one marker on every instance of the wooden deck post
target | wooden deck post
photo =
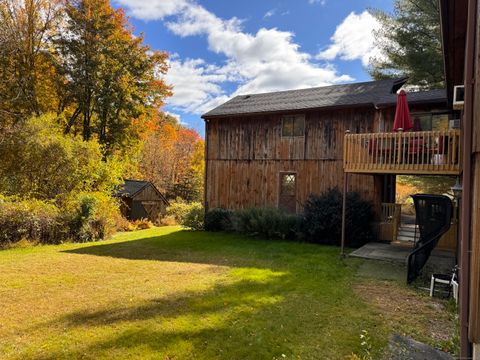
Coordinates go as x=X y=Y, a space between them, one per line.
x=344 y=213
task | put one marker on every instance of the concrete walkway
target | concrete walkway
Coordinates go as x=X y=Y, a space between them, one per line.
x=398 y=254
x=404 y=348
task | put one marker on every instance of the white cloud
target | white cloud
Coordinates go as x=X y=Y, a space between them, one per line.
x=268 y=60
x=153 y=9
x=270 y=13
x=194 y=83
x=321 y=2
x=353 y=39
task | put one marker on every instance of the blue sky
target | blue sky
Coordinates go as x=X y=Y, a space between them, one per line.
x=220 y=48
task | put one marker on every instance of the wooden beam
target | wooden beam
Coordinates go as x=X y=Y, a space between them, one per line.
x=344 y=214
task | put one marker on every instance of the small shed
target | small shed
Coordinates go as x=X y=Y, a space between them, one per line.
x=141 y=200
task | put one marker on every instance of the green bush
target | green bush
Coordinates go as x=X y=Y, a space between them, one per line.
x=31 y=220
x=322 y=219
x=266 y=222
x=39 y=161
x=178 y=209
x=218 y=219
x=91 y=216
x=194 y=217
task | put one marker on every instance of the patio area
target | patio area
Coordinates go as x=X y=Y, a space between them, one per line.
x=441 y=260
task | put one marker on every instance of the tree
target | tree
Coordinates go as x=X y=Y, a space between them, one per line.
x=39 y=161
x=27 y=72
x=173 y=159
x=410 y=40
x=113 y=78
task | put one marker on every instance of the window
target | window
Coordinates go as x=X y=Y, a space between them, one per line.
x=287 y=184
x=293 y=125
x=430 y=121
x=287 y=195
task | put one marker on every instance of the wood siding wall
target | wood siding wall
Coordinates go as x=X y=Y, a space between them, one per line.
x=474 y=318
x=245 y=156
x=153 y=203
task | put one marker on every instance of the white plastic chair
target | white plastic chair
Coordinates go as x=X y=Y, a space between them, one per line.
x=450 y=280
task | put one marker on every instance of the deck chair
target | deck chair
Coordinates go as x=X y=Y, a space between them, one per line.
x=450 y=281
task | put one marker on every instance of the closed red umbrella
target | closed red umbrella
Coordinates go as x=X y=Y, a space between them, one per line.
x=402 y=114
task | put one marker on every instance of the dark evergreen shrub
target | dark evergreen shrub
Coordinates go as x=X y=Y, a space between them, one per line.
x=218 y=219
x=265 y=222
x=322 y=219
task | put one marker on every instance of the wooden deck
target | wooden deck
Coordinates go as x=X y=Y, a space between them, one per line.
x=413 y=153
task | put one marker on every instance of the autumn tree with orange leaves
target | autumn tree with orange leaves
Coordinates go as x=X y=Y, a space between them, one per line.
x=27 y=65
x=112 y=76
x=173 y=159
x=78 y=64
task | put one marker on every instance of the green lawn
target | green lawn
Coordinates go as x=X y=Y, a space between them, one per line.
x=169 y=294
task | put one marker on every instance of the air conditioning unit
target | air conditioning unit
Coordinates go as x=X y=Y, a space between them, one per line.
x=454 y=124
x=458 y=97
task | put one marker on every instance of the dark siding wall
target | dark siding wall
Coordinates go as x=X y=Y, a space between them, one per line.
x=148 y=203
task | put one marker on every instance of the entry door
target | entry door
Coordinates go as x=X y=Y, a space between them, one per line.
x=287 y=199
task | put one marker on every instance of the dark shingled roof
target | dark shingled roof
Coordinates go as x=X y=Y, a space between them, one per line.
x=371 y=93
x=131 y=187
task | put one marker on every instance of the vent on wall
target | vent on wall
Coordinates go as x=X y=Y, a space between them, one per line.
x=458 y=97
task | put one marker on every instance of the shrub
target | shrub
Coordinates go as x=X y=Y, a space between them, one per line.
x=178 y=209
x=40 y=161
x=194 y=217
x=142 y=224
x=168 y=220
x=322 y=219
x=265 y=222
x=31 y=220
x=91 y=216
x=218 y=220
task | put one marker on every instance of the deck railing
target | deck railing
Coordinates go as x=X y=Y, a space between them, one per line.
x=420 y=152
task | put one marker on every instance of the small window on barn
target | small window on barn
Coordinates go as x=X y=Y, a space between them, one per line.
x=287 y=199
x=293 y=125
x=287 y=184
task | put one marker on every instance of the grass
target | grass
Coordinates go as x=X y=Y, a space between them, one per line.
x=164 y=293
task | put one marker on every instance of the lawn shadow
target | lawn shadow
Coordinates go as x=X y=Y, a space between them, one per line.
x=221 y=249
x=284 y=293
x=199 y=317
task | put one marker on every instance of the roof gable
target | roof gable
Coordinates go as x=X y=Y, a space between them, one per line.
x=130 y=188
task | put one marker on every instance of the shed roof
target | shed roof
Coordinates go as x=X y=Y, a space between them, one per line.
x=378 y=93
x=131 y=187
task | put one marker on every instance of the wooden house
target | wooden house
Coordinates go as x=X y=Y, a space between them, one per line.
x=275 y=149
x=460 y=21
x=141 y=200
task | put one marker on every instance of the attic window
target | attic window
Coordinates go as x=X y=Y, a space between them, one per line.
x=293 y=125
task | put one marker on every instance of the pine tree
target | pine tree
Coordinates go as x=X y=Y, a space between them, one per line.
x=410 y=40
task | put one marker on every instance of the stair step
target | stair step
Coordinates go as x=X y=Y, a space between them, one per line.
x=409 y=227
x=405 y=238
x=406 y=244
x=408 y=232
